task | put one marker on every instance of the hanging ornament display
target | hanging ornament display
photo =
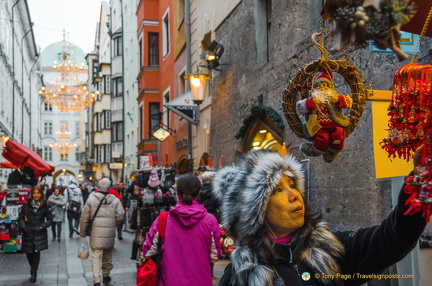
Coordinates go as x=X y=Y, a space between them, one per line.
x=316 y=112
x=409 y=110
x=410 y=126
x=359 y=21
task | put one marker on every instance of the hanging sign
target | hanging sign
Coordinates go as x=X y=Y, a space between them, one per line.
x=408 y=43
x=185 y=107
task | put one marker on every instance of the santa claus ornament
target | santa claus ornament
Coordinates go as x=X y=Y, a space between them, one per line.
x=314 y=109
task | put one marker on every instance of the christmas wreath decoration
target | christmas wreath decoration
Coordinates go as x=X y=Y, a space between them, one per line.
x=301 y=84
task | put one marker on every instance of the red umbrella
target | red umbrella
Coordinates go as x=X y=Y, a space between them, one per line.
x=23 y=156
x=8 y=165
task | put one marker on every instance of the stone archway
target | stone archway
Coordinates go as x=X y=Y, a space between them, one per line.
x=63 y=177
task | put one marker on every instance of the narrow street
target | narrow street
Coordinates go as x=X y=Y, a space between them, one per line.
x=60 y=265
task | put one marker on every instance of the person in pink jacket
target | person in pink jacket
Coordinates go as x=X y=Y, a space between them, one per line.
x=192 y=239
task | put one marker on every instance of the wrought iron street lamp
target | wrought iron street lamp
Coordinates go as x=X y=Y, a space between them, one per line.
x=198 y=85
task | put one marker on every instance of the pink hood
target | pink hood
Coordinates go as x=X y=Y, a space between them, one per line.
x=188 y=215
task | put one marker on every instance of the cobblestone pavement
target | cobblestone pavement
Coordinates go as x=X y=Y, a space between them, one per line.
x=60 y=265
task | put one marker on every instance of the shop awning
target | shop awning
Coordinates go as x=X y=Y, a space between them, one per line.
x=415 y=25
x=8 y=165
x=22 y=156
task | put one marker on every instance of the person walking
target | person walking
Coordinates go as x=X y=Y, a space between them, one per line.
x=57 y=203
x=191 y=241
x=75 y=204
x=34 y=219
x=85 y=192
x=103 y=232
x=121 y=190
x=282 y=242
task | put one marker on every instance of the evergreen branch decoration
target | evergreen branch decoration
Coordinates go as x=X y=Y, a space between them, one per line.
x=259 y=112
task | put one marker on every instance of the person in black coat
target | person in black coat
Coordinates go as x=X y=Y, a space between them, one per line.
x=281 y=242
x=34 y=219
x=206 y=196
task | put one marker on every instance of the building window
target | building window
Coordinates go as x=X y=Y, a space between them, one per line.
x=118 y=87
x=268 y=22
x=107 y=84
x=153 y=39
x=47 y=107
x=64 y=126
x=101 y=120
x=108 y=153
x=117 y=131
x=96 y=122
x=154 y=117
x=102 y=153
x=118 y=46
x=64 y=157
x=166 y=34
x=48 y=128
x=141 y=53
x=107 y=119
x=47 y=153
x=263 y=27
x=96 y=152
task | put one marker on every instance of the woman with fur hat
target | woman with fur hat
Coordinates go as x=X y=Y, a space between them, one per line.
x=280 y=242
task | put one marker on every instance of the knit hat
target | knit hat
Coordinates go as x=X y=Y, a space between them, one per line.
x=325 y=77
x=244 y=191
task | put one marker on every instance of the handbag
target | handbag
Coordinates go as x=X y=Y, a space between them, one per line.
x=90 y=223
x=75 y=207
x=148 y=271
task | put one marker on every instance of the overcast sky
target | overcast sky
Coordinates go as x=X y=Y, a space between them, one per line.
x=77 y=17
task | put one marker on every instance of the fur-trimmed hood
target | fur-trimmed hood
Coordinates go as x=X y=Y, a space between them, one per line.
x=321 y=253
x=244 y=191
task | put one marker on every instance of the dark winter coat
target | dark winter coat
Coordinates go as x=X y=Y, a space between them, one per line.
x=368 y=251
x=32 y=234
x=209 y=201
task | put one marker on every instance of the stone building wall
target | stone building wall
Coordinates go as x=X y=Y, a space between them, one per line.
x=346 y=192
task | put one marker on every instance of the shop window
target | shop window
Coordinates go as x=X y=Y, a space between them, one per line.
x=263 y=135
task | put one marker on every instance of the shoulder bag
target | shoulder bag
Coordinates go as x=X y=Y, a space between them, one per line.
x=149 y=271
x=90 y=224
x=74 y=206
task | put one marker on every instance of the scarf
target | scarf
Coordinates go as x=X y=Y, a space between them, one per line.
x=35 y=205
